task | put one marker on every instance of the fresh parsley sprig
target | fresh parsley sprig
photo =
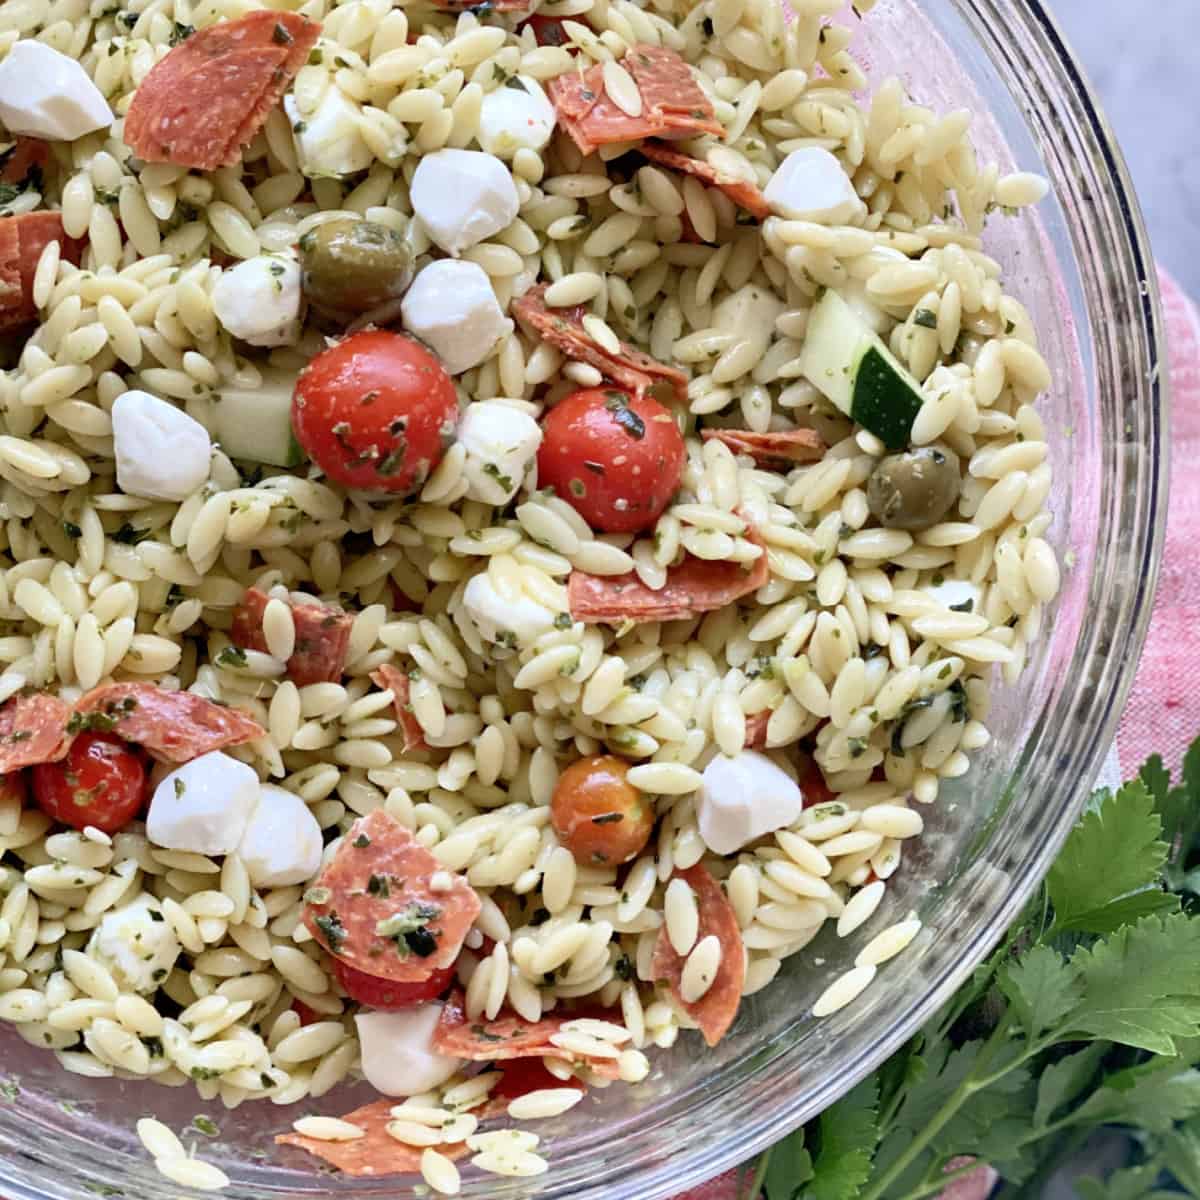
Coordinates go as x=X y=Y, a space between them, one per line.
x=1087 y=1016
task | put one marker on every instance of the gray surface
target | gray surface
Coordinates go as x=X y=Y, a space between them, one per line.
x=1141 y=57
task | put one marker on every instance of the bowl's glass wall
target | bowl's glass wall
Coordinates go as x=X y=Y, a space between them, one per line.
x=1081 y=269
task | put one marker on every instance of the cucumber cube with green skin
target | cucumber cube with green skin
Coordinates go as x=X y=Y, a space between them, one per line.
x=855 y=371
x=255 y=423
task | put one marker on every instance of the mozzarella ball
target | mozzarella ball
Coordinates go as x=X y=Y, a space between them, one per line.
x=742 y=798
x=161 y=452
x=397 y=1055
x=204 y=805
x=810 y=185
x=515 y=116
x=45 y=94
x=501 y=441
x=137 y=944
x=282 y=843
x=462 y=197
x=259 y=300
x=451 y=307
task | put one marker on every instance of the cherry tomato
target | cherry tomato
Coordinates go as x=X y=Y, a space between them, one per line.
x=524 y=1075
x=376 y=411
x=615 y=458
x=548 y=31
x=387 y=994
x=597 y=815
x=101 y=782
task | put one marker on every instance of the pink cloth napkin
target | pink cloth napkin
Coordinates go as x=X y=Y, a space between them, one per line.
x=1163 y=713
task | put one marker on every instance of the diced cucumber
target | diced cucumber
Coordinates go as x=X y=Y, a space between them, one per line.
x=852 y=367
x=255 y=424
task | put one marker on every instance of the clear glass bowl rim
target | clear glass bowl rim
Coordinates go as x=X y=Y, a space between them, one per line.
x=1128 y=346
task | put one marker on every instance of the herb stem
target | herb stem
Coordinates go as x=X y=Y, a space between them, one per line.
x=971 y=1084
x=760 y=1173
x=941 y=1181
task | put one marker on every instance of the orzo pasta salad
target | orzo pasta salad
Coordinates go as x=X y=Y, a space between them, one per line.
x=509 y=517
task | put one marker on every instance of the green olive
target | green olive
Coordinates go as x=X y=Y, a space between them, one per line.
x=354 y=266
x=914 y=490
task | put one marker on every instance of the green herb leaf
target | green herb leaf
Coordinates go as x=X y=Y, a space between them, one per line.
x=1114 y=851
x=848 y=1133
x=1147 y=1096
x=1062 y=1081
x=1142 y=984
x=789 y=1168
x=1041 y=987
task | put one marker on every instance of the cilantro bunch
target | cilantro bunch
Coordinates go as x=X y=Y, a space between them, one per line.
x=1087 y=1017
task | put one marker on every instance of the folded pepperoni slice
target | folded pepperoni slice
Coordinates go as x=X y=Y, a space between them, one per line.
x=669 y=89
x=715 y=1010
x=173 y=727
x=211 y=94
x=563 y=329
x=509 y=1036
x=672 y=103
x=322 y=636
x=392 y=679
x=743 y=192
x=375 y=908
x=376 y=1152
x=772 y=451
x=695 y=586
x=22 y=240
x=33 y=730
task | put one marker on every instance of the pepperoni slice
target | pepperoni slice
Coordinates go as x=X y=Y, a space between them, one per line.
x=756 y=729
x=374 y=906
x=508 y=1036
x=771 y=451
x=24 y=156
x=696 y=585
x=33 y=730
x=672 y=103
x=376 y=1152
x=22 y=240
x=173 y=727
x=715 y=1010
x=563 y=328
x=392 y=679
x=743 y=192
x=322 y=636
x=212 y=93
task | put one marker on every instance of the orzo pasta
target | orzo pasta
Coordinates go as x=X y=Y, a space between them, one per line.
x=507 y=523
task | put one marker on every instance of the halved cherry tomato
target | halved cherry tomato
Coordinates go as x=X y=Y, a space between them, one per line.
x=101 y=782
x=387 y=994
x=524 y=1075
x=376 y=411
x=614 y=457
x=548 y=31
x=597 y=814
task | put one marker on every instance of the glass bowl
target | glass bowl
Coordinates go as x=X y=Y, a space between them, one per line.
x=1082 y=266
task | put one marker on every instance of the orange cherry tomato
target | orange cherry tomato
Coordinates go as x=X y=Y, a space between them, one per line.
x=597 y=814
x=376 y=412
x=614 y=457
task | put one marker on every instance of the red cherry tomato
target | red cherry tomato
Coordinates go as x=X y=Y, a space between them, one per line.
x=548 y=31
x=524 y=1075
x=386 y=994
x=615 y=458
x=375 y=412
x=101 y=782
x=813 y=786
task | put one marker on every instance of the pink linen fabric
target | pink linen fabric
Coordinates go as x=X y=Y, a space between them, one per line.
x=1163 y=713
